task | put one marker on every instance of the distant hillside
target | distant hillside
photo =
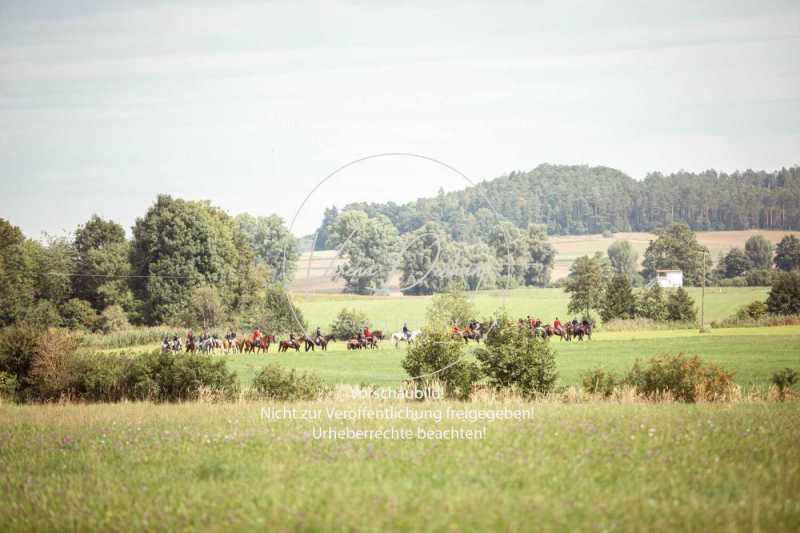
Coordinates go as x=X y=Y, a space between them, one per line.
x=578 y=200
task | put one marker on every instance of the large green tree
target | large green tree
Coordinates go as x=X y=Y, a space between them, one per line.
x=784 y=296
x=179 y=245
x=787 y=254
x=759 y=250
x=370 y=247
x=17 y=273
x=272 y=244
x=736 y=263
x=618 y=299
x=539 y=256
x=102 y=264
x=676 y=247
x=623 y=258
x=429 y=260
x=585 y=284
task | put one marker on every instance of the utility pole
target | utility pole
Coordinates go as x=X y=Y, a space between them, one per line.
x=703 y=295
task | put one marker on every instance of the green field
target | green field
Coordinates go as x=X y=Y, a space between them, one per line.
x=753 y=353
x=598 y=466
x=388 y=313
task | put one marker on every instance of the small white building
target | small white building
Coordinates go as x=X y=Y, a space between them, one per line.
x=669 y=279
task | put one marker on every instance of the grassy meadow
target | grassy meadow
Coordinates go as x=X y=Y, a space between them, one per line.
x=220 y=467
x=389 y=312
x=753 y=353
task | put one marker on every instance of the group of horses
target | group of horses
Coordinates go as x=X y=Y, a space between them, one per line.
x=474 y=332
x=567 y=332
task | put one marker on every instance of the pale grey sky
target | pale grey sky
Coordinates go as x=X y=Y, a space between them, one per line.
x=105 y=104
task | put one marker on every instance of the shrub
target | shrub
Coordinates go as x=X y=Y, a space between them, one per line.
x=113 y=318
x=437 y=356
x=765 y=321
x=651 y=305
x=167 y=377
x=78 y=314
x=54 y=369
x=277 y=314
x=18 y=345
x=687 y=379
x=599 y=381
x=277 y=383
x=43 y=314
x=450 y=307
x=784 y=296
x=759 y=278
x=680 y=307
x=348 y=323
x=8 y=386
x=784 y=380
x=739 y=281
x=752 y=311
x=511 y=357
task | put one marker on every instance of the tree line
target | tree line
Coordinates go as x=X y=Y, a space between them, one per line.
x=604 y=283
x=574 y=200
x=187 y=262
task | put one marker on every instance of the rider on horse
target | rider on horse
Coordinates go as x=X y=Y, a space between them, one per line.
x=367 y=332
x=406 y=331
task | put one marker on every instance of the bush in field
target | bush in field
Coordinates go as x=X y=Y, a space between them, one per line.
x=599 y=381
x=437 y=356
x=784 y=297
x=680 y=307
x=348 y=323
x=784 y=380
x=167 y=377
x=511 y=357
x=687 y=379
x=54 y=369
x=759 y=278
x=78 y=314
x=651 y=304
x=18 y=345
x=752 y=311
x=450 y=307
x=277 y=383
x=277 y=314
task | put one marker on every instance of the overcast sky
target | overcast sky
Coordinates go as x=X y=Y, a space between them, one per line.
x=105 y=104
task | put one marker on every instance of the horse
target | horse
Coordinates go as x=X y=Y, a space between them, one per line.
x=354 y=344
x=371 y=342
x=284 y=346
x=400 y=337
x=323 y=340
x=191 y=345
x=378 y=334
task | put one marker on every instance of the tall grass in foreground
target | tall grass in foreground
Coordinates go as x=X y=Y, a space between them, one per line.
x=222 y=467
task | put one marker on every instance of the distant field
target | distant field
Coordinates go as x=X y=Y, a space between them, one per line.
x=316 y=268
x=221 y=467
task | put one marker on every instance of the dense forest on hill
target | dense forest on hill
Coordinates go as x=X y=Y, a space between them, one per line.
x=573 y=200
